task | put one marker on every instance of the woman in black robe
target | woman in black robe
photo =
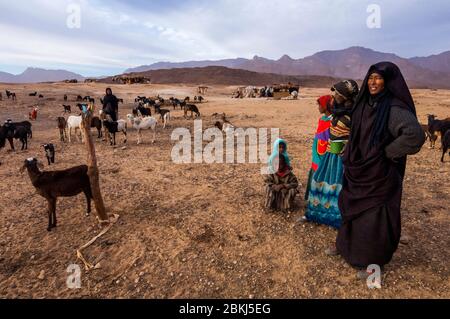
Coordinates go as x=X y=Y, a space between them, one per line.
x=384 y=131
x=111 y=105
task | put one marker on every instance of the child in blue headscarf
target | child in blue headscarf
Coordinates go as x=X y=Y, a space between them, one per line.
x=281 y=183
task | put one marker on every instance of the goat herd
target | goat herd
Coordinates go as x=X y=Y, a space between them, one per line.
x=73 y=181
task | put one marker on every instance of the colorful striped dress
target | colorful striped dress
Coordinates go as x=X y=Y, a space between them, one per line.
x=320 y=146
x=326 y=183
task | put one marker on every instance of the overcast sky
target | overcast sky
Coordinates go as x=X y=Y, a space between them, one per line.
x=118 y=34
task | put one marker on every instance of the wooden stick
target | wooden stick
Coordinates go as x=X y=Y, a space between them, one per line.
x=93 y=172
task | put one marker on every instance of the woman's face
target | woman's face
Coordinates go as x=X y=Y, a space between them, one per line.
x=375 y=83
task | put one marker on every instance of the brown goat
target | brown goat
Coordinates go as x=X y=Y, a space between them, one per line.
x=97 y=123
x=51 y=185
x=62 y=125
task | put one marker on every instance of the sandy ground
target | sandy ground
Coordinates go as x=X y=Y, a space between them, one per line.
x=198 y=230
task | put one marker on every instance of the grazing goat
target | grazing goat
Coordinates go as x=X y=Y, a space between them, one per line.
x=67 y=108
x=25 y=124
x=65 y=97
x=62 y=125
x=41 y=96
x=49 y=153
x=10 y=94
x=445 y=144
x=143 y=111
x=74 y=122
x=33 y=94
x=191 y=108
x=79 y=98
x=438 y=126
x=165 y=115
x=175 y=102
x=115 y=127
x=146 y=123
x=51 y=185
x=21 y=133
x=11 y=126
x=33 y=114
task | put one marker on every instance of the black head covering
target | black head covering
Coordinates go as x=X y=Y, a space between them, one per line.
x=396 y=92
x=348 y=90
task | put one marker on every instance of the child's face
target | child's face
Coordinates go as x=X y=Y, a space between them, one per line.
x=322 y=110
x=282 y=148
x=282 y=163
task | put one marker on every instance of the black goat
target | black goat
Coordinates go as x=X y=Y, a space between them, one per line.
x=33 y=94
x=79 y=98
x=25 y=124
x=20 y=131
x=67 y=108
x=445 y=144
x=437 y=126
x=191 y=108
x=41 y=96
x=142 y=111
x=17 y=132
x=51 y=185
x=175 y=103
x=115 y=127
x=65 y=97
x=49 y=153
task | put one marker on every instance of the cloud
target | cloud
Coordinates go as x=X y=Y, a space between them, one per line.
x=118 y=34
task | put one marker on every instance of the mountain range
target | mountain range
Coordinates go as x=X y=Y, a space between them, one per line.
x=36 y=75
x=432 y=71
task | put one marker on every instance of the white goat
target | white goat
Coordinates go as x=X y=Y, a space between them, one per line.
x=145 y=123
x=74 y=122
